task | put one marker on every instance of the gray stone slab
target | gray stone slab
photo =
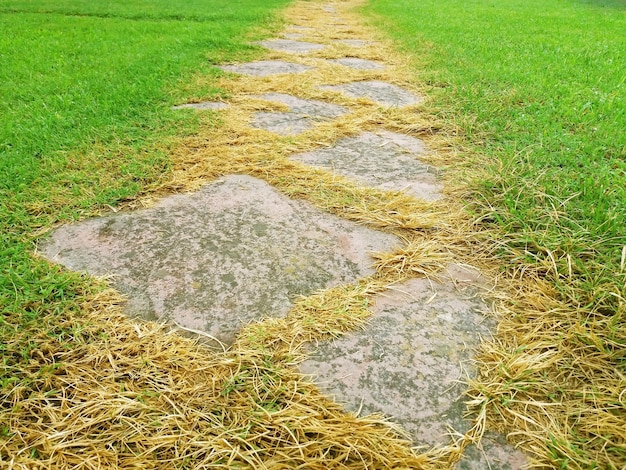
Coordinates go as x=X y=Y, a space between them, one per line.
x=264 y=68
x=290 y=46
x=386 y=160
x=213 y=260
x=358 y=64
x=380 y=92
x=206 y=105
x=408 y=361
x=302 y=114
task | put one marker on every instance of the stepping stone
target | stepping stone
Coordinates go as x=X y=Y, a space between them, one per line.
x=358 y=64
x=264 y=68
x=214 y=105
x=290 y=46
x=379 y=92
x=356 y=42
x=407 y=361
x=329 y=8
x=231 y=253
x=386 y=160
x=303 y=114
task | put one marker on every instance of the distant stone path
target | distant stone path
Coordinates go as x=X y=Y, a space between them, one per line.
x=239 y=250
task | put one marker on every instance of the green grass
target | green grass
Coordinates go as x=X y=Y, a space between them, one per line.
x=85 y=94
x=539 y=88
x=536 y=90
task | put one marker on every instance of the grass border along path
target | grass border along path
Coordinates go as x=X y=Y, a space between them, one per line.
x=536 y=91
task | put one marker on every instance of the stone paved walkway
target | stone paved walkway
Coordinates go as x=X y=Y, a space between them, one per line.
x=238 y=251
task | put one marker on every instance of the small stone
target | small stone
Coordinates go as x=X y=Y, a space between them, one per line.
x=358 y=64
x=380 y=92
x=302 y=115
x=265 y=68
x=290 y=46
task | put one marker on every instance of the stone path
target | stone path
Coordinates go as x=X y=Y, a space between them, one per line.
x=238 y=251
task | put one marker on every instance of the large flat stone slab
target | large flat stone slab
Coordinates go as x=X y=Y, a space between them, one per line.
x=291 y=46
x=265 y=68
x=407 y=364
x=213 y=260
x=379 y=92
x=385 y=160
x=302 y=115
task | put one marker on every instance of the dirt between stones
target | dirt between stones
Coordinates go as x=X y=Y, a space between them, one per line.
x=238 y=251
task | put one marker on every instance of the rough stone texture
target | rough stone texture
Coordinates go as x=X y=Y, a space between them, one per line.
x=206 y=105
x=213 y=260
x=290 y=46
x=264 y=68
x=358 y=64
x=302 y=114
x=386 y=161
x=377 y=91
x=407 y=363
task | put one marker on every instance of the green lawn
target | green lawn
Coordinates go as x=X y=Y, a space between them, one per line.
x=85 y=94
x=539 y=87
x=536 y=90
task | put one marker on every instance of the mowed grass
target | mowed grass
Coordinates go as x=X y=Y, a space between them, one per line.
x=536 y=91
x=539 y=89
x=85 y=95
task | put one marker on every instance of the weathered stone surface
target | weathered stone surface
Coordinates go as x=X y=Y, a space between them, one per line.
x=380 y=92
x=264 y=68
x=291 y=46
x=358 y=64
x=386 y=160
x=206 y=105
x=231 y=253
x=302 y=115
x=407 y=364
